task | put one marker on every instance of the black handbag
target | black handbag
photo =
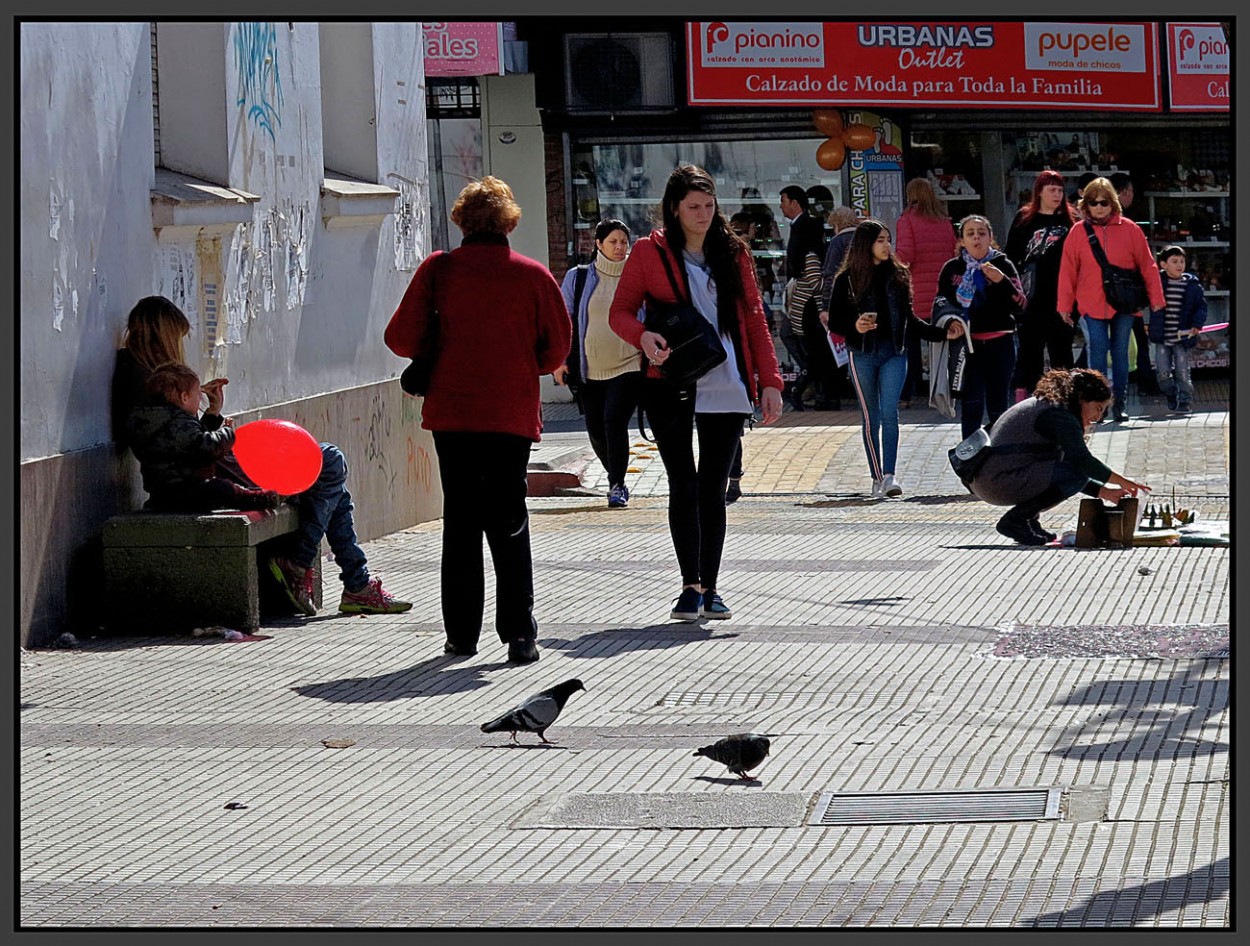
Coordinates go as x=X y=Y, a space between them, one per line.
x=415 y=379
x=1124 y=288
x=693 y=344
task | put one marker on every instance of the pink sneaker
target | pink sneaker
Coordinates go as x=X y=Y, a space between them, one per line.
x=297 y=582
x=372 y=599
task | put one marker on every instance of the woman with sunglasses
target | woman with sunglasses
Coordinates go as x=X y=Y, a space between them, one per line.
x=1080 y=282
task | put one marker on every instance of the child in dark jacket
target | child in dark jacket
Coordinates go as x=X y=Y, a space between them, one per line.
x=177 y=449
x=1174 y=329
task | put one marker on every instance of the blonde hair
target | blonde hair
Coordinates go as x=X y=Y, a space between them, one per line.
x=920 y=195
x=842 y=217
x=155 y=329
x=486 y=206
x=1099 y=189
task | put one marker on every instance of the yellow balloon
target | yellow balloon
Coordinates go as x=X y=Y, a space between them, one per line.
x=831 y=154
x=828 y=121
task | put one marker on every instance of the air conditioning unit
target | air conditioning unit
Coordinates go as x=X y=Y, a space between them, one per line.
x=618 y=72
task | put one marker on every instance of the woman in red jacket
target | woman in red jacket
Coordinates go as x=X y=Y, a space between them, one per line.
x=718 y=274
x=502 y=324
x=1080 y=282
x=924 y=240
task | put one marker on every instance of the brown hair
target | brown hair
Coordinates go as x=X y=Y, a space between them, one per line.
x=860 y=265
x=842 y=217
x=1072 y=387
x=171 y=381
x=486 y=206
x=1099 y=189
x=155 y=329
x=920 y=195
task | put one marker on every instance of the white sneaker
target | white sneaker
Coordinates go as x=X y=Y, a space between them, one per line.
x=890 y=487
x=878 y=489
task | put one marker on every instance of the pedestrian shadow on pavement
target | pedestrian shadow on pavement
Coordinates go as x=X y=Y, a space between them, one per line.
x=652 y=637
x=1133 y=906
x=434 y=677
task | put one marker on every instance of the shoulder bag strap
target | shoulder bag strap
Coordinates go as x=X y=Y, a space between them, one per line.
x=672 y=280
x=1096 y=247
x=579 y=284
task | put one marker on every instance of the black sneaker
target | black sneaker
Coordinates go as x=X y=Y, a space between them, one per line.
x=458 y=650
x=1020 y=530
x=688 y=606
x=733 y=492
x=522 y=652
x=1036 y=525
x=714 y=608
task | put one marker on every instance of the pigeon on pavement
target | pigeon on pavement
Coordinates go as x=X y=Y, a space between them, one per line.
x=738 y=753
x=536 y=713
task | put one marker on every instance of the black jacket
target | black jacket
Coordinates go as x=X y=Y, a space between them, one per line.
x=176 y=450
x=996 y=304
x=901 y=321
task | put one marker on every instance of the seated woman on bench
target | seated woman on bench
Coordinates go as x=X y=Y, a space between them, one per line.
x=155 y=331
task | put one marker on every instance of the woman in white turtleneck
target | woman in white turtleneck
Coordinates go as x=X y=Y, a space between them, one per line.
x=602 y=369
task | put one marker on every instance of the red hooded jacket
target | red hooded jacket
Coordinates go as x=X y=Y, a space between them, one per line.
x=644 y=278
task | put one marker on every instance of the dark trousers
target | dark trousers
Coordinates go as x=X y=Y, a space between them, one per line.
x=1065 y=483
x=484 y=486
x=987 y=382
x=735 y=468
x=696 y=494
x=1041 y=335
x=609 y=406
x=913 y=384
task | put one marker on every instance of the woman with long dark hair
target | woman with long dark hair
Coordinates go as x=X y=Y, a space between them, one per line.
x=602 y=369
x=716 y=273
x=1042 y=458
x=982 y=286
x=870 y=307
x=1035 y=245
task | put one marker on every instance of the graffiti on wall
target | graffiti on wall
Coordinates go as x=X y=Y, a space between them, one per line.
x=260 y=84
x=412 y=220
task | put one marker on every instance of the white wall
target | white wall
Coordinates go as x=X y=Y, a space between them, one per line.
x=301 y=306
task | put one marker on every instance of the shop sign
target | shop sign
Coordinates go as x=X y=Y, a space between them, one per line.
x=1198 y=73
x=463 y=49
x=876 y=173
x=1071 y=65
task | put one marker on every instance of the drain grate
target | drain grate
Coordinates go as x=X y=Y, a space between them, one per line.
x=1016 y=804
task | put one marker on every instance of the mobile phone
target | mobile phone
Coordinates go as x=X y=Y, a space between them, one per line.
x=871 y=317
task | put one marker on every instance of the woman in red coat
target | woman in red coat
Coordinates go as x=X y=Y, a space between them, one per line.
x=502 y=325
x=1080 y=282
x=717 y=275
x=924 y=240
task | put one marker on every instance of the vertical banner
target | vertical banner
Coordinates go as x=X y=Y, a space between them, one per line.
x=1198 y=67
x=876 y=173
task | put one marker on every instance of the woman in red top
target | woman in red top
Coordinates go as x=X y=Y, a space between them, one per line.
x=924 y=240
x=1080 y=282
x=502 y=324
x=718 y=277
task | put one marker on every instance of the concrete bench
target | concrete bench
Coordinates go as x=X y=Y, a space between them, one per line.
x=166 y=571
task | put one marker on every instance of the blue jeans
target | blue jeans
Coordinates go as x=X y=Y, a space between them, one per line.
x=1172 y=372
x=878 y=381
x=326 y=510
x=1114 y=332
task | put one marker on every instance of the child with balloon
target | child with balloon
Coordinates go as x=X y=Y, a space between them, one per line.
x=268 y=454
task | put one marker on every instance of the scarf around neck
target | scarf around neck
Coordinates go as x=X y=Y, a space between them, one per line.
x=973 y=278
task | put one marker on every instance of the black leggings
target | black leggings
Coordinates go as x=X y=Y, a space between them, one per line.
x=1041 y=333
x=696 y=495
x=609 y=405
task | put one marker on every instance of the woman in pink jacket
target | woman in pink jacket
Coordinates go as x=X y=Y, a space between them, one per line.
x=717 y=275
x=925 y=240
x=1080 y=282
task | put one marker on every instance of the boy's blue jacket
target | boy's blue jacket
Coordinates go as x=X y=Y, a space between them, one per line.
x=1193 y=313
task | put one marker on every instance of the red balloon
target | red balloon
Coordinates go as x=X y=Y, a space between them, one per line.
x=278 y=455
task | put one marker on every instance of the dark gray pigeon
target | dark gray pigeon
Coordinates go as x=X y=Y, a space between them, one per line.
x=738 y=753
x=536 y=713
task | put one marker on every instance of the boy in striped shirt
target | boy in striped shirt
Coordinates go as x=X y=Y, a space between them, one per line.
x=1174 y=329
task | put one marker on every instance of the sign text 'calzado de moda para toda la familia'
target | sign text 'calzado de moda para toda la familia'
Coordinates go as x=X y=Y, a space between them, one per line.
x=1099 y=66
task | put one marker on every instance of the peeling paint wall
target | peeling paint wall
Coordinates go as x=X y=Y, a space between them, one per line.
x=290 y=310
